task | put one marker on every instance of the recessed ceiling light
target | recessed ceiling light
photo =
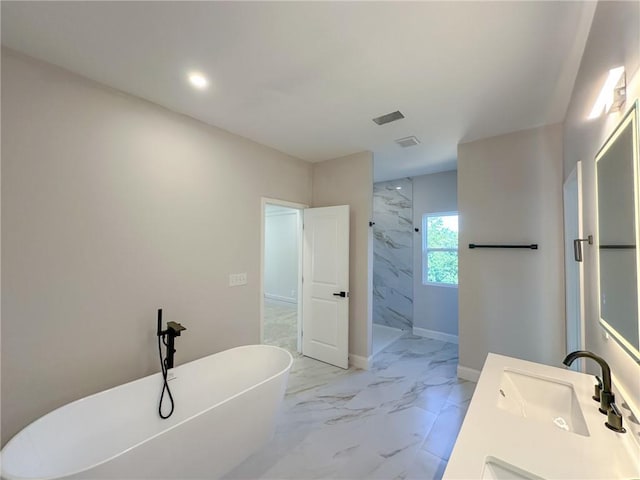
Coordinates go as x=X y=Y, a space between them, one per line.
x=198 y=80
x=398 y=188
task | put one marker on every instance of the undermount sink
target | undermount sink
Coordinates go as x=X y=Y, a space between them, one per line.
x=541 y=399
x=496 y=469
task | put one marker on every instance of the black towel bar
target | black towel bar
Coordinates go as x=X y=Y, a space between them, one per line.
x=532 y=246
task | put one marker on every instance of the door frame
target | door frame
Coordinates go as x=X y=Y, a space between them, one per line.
x=574 y=178
x=264 y=201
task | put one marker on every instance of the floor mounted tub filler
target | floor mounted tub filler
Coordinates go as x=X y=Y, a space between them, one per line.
x=226 y=409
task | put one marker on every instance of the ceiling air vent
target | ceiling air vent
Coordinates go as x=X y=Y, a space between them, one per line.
x=388 y=118
x=407 y=142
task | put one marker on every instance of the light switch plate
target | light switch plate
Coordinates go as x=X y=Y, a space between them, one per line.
x=237 y=279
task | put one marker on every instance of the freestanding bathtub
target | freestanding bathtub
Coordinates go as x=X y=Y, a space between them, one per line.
x=225 y=409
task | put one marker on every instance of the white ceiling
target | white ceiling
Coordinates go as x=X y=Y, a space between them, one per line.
x=307 y=78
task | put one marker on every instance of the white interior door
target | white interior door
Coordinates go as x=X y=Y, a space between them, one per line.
x=325 y=287
x=574 y=270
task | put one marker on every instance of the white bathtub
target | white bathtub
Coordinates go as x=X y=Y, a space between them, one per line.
x=225 y=409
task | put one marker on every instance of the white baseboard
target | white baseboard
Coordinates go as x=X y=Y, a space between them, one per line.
x=279 y=298
x=445 y=337
x=467 y=373
x=358 y=361
x=388 y=328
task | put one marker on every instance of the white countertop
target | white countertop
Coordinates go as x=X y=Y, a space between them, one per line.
x=540 y=449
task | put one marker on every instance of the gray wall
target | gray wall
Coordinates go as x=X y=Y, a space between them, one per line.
x=511 y=301
x=435 y=308
x=393 y=254
x=348 y=181
x=111 y=208
x=614 y=40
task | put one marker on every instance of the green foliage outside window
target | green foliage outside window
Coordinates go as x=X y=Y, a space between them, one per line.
x=441 y=249
x=442 y=267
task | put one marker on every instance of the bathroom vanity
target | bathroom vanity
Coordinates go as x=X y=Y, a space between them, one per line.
x=534 y=421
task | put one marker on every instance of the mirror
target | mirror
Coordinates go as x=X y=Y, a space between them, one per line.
x=617 y=233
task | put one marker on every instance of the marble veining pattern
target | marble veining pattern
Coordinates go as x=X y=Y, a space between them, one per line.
x=393 y=254
x=398 y=420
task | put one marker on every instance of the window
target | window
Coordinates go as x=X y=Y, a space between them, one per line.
x=440 y=249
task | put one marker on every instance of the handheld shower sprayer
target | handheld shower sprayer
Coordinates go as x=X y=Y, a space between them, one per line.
x=173 y=330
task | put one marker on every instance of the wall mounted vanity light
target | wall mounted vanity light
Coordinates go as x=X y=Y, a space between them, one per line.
x=613 y=94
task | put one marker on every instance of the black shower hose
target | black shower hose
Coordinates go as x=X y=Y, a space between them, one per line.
x=165 y=386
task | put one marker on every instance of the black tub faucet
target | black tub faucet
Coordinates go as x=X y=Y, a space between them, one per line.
x=168 y=337
x=606 y=395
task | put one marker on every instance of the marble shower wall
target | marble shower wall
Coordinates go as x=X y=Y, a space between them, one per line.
x=393 y=238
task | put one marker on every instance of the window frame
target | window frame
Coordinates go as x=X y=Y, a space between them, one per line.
x=426 y=250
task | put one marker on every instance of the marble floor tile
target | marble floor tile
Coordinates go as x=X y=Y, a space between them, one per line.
x=355 y=449
x=433 y=397
x=425 y=466
x=383 y=336
x=397 y=420
x=444 y=432
x=461 y=392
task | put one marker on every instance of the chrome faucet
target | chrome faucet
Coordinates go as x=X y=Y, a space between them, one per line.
x=606 y=395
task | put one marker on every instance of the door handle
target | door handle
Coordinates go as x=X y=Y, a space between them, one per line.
x=577 y=247
x=341 y=294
